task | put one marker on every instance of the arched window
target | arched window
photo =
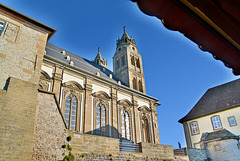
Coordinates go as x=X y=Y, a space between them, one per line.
x=70 y=113
x=117 y=64
x=132 y=60
x=123 y=60
x=134 y=83
x=125 y=125
x=138 y=63
x=140 y=86
x=146 y=130
x=100 y=119
x=45 y=81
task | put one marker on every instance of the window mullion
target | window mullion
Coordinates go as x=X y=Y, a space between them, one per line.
x=100 y=120
x=70 y=115
x=125 y=120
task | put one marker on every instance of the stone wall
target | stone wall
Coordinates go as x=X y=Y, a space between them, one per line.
x=21 y=52
x=196 y=154
x=223 y=150
x=17 y=118
x=119 y=157
x=181 y=158
x=85 y=143
x=157 y=150
x=49 y=132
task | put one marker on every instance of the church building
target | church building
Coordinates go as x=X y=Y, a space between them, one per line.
x=48 y=93
x=95 y=100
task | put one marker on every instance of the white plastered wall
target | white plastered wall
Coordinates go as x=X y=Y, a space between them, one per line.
x=122 y=96
x=67 y=78
x=97 y=88
x=48 y=70
x=205 y=124
x=141 y=103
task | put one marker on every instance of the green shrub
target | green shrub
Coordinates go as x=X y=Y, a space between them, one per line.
x=70 y=156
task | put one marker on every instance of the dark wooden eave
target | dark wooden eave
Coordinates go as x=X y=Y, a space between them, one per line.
x=213 y=25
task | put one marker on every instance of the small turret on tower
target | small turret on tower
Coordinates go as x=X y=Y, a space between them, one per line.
x=99 y=59
x=125 y=39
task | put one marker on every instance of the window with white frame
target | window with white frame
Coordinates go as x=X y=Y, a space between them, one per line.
x=232 y=121
x=125 y=125
x=100 y=119
x=2 y=26
x=216 y=122
x=70 y=113
x=197 y=146
x=194 y=128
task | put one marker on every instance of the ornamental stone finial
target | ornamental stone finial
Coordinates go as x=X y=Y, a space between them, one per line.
x=98 y=49
x=124 y=28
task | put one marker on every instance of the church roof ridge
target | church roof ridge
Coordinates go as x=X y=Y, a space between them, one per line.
x=80 y=62
x=55 y=52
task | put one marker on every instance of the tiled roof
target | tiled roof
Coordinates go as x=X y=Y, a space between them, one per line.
x=216 y=99
x=221 y=134
x=83 y=64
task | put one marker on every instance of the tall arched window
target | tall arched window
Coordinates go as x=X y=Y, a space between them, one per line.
x=140 y=86
x=134 y=83
x=117 y=64
x=132 y=60
x=70 y=113
x=123 y=60
x=138 y=63
x=125 y=125
x=100 y=119
x=146 y=130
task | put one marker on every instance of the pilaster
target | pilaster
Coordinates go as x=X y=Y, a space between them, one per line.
x=154 y=120
x=88 y=107
x=187 y=134
x=136 y=120
x=143 y=84
x=57 y=81
x=114 y=113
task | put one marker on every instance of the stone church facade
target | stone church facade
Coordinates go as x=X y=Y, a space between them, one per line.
x=48 y=93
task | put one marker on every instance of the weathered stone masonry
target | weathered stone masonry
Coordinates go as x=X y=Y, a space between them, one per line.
x=32 y=124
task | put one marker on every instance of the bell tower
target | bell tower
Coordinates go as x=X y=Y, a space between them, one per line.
x=127 y=63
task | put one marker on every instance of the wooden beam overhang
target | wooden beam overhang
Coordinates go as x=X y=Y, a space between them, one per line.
x=213 y=25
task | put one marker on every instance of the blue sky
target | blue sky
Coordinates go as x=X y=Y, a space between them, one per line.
x=177 y=72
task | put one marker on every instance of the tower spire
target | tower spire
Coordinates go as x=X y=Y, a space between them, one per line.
x=125 y=39
x=99 y=59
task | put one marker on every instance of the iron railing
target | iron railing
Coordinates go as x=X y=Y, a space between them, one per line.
x=181 y=152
